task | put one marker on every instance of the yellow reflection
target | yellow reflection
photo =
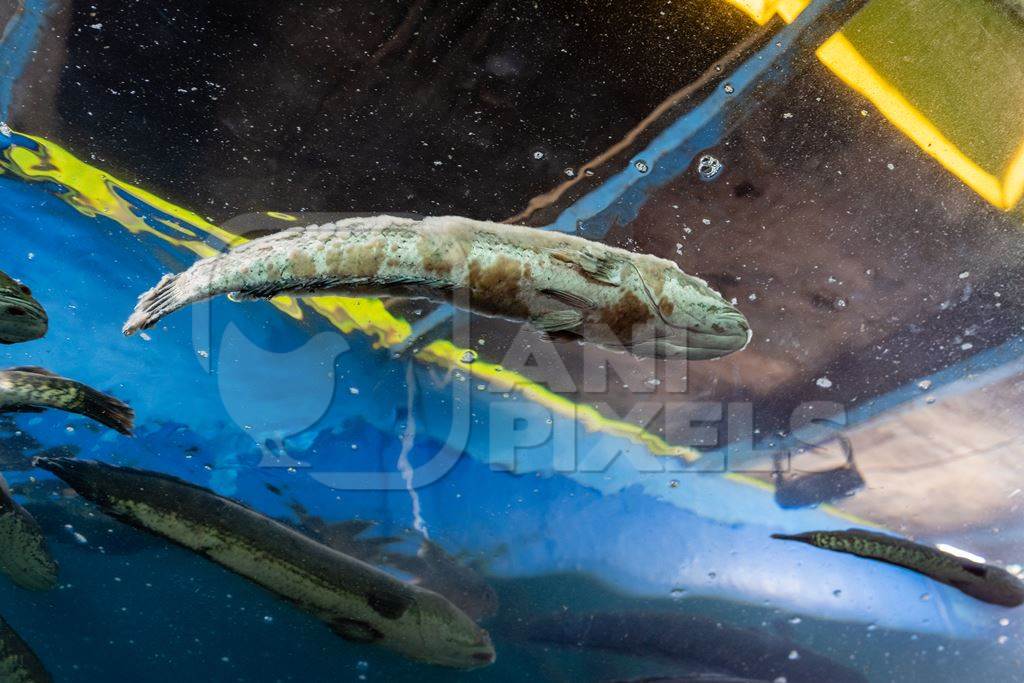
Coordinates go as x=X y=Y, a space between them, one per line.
x=446 y=354
x=843 y=59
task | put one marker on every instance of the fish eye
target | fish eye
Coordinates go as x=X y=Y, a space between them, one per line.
x=25 y=290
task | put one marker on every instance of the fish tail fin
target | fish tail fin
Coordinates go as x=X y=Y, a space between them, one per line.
x=107 y=410
x=158 y=302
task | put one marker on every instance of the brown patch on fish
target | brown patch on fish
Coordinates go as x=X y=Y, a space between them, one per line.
x=495 y=289
x=364 y=260
x=622 y=317
x=665 y=306
x=302 y=265
x=439 y=259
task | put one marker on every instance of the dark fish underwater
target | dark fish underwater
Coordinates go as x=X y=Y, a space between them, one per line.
x=359 y=602
x=818 y=488
x=24 y=555
x=18 y=663
x=697 y=642
x=981 y=581
x=22 y=318
x=430 y=566
x=32 y=389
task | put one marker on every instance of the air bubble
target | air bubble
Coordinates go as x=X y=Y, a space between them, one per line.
x=729 y=89
x=641 y=166
x=708 y=167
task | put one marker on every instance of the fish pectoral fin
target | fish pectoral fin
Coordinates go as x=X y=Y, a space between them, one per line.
x=570 y=299
x=356 y=631
x=34 y=369
x=604 y=269
x=558 y=321
x=389 y=605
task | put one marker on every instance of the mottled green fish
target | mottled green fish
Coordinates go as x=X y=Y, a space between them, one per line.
x=982 y=581
x=359 y=602
x=24 y=556
x=18 y=663
x=561 y=284
x=21 y=317
x=31 y=389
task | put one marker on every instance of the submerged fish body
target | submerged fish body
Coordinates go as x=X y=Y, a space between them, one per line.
x=694 y=641
x=18 y=663
x=31 y=389
x=563 y=285
x=22 y=318
x=982 y=581
x=24 y=555
x=359 y=602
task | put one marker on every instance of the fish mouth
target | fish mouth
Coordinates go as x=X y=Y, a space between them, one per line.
x=21 y=319
x=694 y=343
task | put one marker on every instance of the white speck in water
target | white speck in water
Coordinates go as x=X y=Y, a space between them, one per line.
x=964 y=275
x=267 y=619
x=794 y=655
x=780 y=679
x=468 y=356
x=966 y=346
x=729 y=89
x=569 y=172
x=930 y=400
x=752 y=296
x=203 y=354
x=926 y=597
x=708 y=167
x=362 y=665
x=145 y=336
x=787 y=115
x=891 y=167
x=538 y=155
x=674 y=484
x=354 y=391
x=705 y=221
x=1002 y=640
x=795 y=620
x=824 y=382
x=1004 y=622
x=924 y=385
x=5 y=129
x=841 y=303
x=677 y=593
x=96 y=26
x=79 y=538
x=641 y=166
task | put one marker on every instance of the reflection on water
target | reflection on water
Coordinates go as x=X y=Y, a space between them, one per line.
x=602 y=519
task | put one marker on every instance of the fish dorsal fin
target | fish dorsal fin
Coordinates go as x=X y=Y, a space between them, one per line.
x=601 y=268
x=33 y=369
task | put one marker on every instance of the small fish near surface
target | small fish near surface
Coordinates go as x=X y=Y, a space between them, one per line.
x=24 y=555
x=984 y=582
x=694 y=641
x=18 y=663
x=31 y=389
x=359 y=602
x=22 y=318
x=563 y=285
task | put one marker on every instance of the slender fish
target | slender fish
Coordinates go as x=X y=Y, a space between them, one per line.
x=982 y=581
x=693 y=641
x=24 y=555
x=31 y=389
x=359 y=602
x=562 y=284
x=21 y=317
x=18 y=663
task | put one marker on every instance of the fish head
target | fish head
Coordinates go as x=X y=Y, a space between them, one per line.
x=21 y=317
x=693 y=321
x=450 y=637
x=990 y=583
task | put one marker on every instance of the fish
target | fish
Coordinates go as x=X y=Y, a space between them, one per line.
x=22 y=318
x=563 y=285
x=981 y=581
x=31 y=389
x=359 y=602
x=431 y=566
x=817 y=488
x=690 y=640
x=437 y=570
x=24 y=556
x=18 y=663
